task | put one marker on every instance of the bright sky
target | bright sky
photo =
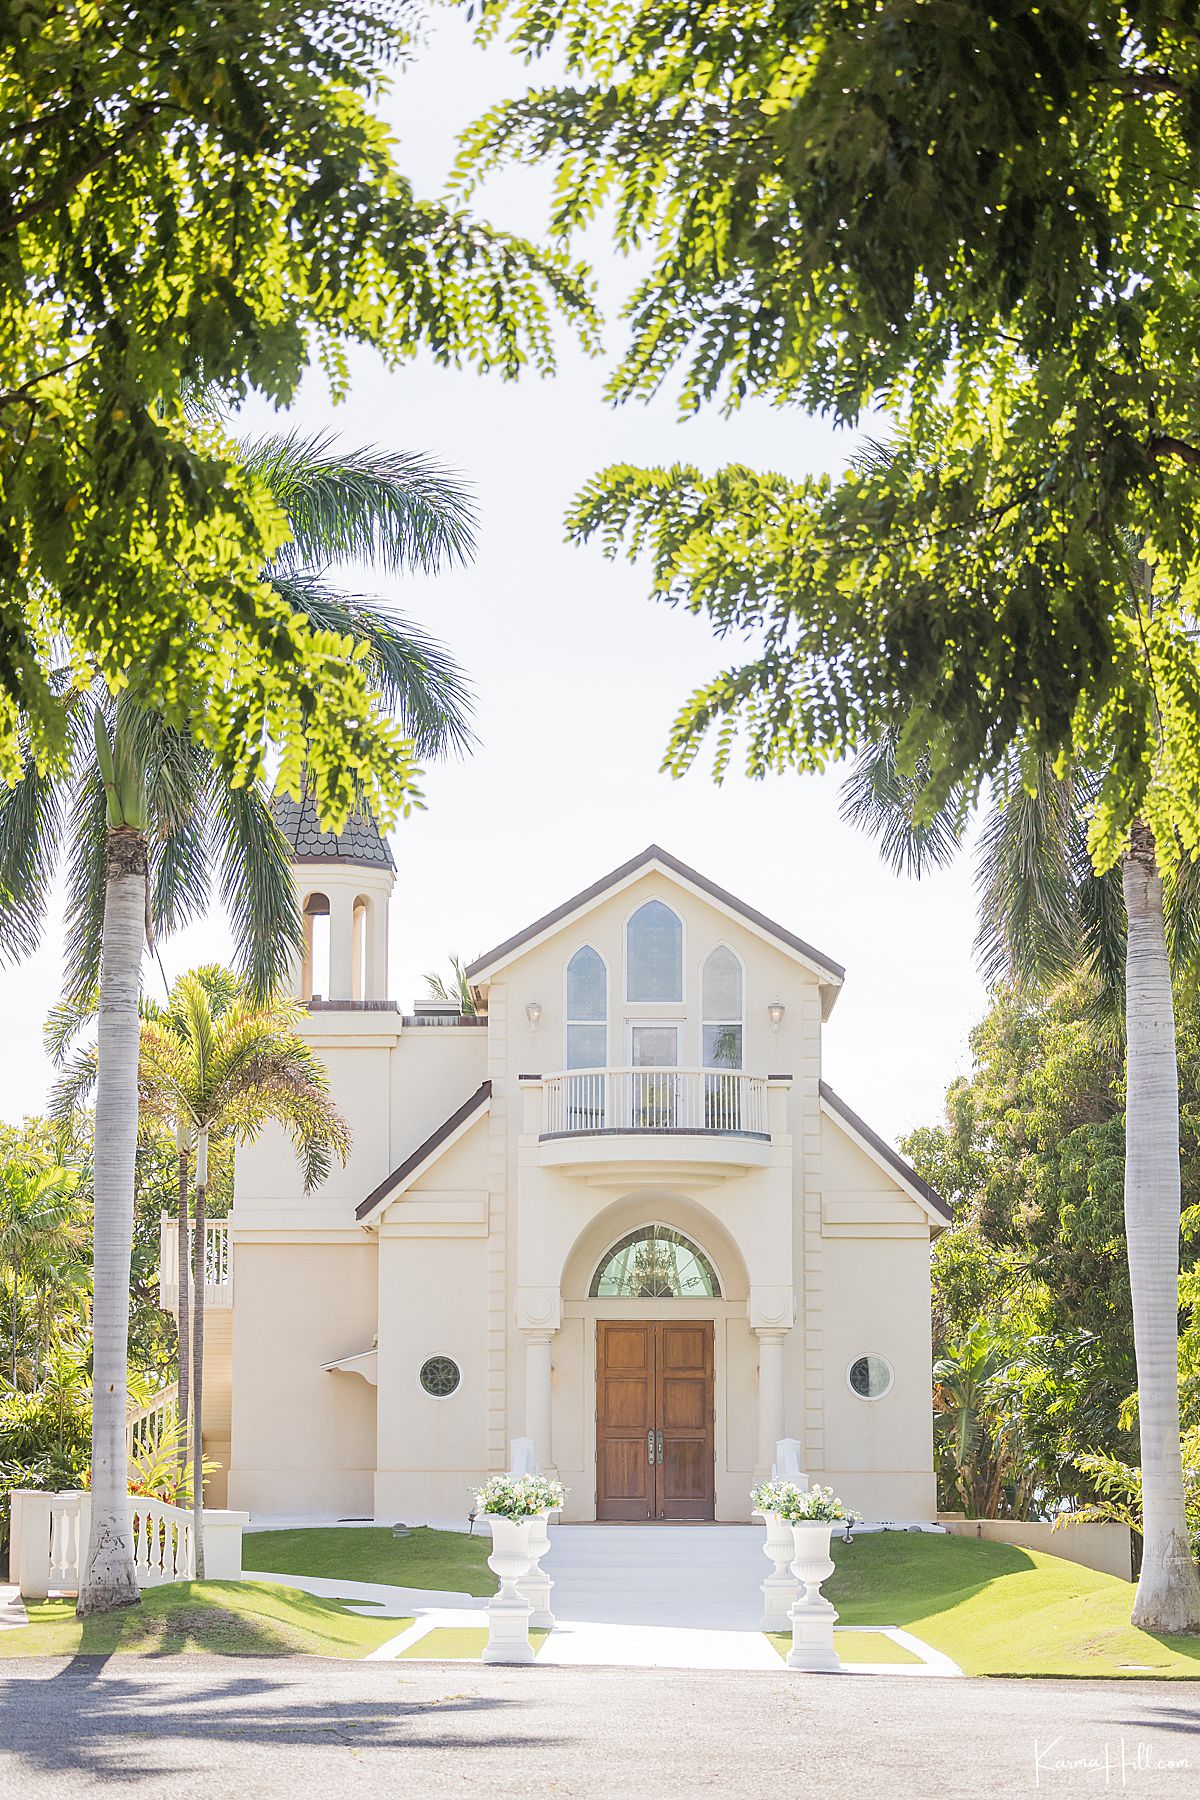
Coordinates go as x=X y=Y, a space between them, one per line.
x=577 y=678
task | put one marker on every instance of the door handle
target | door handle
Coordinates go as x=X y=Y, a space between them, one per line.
x=650 y=1448
x=660 y=1446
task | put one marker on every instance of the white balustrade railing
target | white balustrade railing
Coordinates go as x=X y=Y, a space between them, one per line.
x=582 y=1101
x=49 y=1541
x=218 y=1263
x=148 y=1424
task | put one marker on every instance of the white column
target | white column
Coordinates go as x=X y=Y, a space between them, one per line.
x=770 y=1393
x=539 y=1397
x=341 y=944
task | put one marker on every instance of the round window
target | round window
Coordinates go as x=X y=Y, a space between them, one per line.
x=440 y=1376
x=870 y=1377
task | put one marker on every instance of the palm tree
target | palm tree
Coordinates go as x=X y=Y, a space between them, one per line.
x=146 y=819
x=456 y=990
x=221 y=1065
x=1043 y=911
x=40 y=1226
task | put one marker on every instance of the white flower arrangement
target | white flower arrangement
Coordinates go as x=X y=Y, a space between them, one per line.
x=818 y=1505
x=519 y=1496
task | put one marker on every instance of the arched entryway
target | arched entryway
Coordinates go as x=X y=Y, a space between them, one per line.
x=659 y=1284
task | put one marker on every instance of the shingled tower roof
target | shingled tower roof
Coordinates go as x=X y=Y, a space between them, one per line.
x=360 y=843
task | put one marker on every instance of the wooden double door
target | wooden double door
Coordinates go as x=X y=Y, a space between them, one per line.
x=654 y=1419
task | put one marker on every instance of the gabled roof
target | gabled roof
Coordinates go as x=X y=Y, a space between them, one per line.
x=360 y=842
x=830 y=973
x=414 y=1165
x=882 y=1153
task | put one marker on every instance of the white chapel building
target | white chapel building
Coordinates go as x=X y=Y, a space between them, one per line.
x=617 y=1211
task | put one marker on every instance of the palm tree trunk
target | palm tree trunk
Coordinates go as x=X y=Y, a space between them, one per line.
x=198 y=1355
x=109 y=1579
x=1168 y=1591
x=183 y=1303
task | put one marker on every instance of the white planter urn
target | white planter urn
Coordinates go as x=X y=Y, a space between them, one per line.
x=780 y=1588
x=812 y=1616
x=509 y=1611
x=535 y=1585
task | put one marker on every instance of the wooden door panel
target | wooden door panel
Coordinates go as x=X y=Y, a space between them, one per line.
x=686 y=1476
x=627 y=1347
x=684 y=1403
x=624 y=1418
x=683 y=1478
x=624 y=1475
x=684 y=1348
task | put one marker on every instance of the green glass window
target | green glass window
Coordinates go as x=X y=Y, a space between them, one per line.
x=655 y=1263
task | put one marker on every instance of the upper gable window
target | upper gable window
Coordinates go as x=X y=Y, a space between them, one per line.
x=723 y=1009
x=587 y=1010
x=654 y=953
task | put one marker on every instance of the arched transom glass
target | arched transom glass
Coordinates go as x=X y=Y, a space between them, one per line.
x=654 y=953
x=655 y=1263
x=721 y=999
x=587 y=1010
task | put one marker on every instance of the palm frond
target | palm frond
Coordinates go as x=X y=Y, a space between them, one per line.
x=64 y=1022
x=415 y=675
x=397 y=509
x=878 y=798
x=87 y=839
x=257 y=886
x=71 y=1094
x=30 y=826
x=1026 y=879
x=179 y=777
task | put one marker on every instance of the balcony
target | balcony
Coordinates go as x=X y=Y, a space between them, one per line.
x=218 y=1265
x=611 y=1125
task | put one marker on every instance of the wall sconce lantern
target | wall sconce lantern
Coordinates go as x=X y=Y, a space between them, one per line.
x=775 y=1013
x=533 y=1012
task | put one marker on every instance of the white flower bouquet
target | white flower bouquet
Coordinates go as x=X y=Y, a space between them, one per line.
x=818 y=1505
x=519 y=1496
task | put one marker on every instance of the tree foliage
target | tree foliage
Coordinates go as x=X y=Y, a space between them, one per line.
x=1034 y=1272
x=196 y=195
x=982 y=222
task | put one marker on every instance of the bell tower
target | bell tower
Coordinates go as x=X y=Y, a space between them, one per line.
x=344 y=880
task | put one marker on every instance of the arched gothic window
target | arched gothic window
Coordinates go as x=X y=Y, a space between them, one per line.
x=654 y=953
x=723 y=1008
x=587 y=1010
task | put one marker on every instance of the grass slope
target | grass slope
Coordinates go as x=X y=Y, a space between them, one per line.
x=447 y=1560
x=219 y=1618
x=1000 y=1611
x=854 y=1647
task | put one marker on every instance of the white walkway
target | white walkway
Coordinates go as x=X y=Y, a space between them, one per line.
x=12 y=1607
x=641 y=1596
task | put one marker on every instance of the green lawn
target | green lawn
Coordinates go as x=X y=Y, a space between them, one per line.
x=855 y=1647
x=1001 y=1611
x=459 y=1643
x=220 y=1618
x=447 y=1560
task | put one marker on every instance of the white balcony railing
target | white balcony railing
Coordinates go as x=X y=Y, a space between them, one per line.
x=587 y=1102
x=218 y=1264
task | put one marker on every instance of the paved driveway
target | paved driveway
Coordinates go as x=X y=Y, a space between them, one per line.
x=203 y=1729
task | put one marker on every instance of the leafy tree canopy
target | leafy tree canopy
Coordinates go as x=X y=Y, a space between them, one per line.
x=981 y=222
x=1032 y=1154
x=193 y=196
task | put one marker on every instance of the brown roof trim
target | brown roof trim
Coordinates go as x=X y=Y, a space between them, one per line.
x=423 y=1152
x=655 y=853
x=889 y=1155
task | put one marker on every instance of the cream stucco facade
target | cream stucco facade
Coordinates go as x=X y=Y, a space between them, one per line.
x=485 y=1193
